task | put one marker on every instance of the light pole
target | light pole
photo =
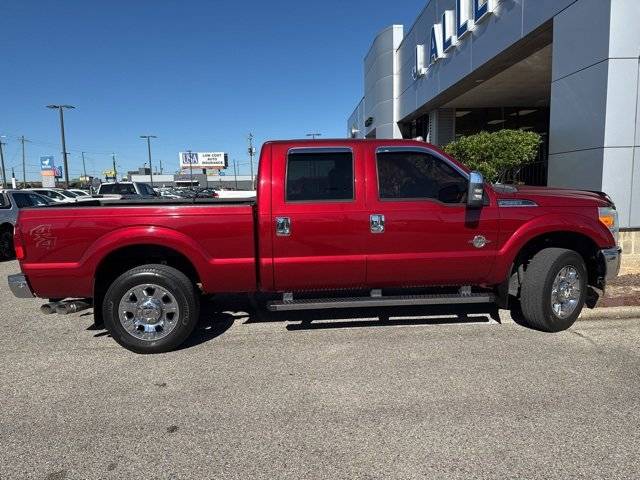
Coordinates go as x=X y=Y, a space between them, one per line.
x=314 y=135
x=252 y=152
x=64 y=143
x=149 y=137
x=4 y=174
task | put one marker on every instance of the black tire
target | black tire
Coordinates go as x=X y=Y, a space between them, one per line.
x=536 y=290
x=174 y=282
x=6 y=245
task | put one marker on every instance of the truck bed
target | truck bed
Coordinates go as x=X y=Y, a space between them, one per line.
x=114 y=202
x=66 y=244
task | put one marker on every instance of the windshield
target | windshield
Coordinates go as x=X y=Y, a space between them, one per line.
x=68 y=194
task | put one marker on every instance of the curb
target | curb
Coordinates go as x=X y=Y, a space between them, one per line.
x=607 y=313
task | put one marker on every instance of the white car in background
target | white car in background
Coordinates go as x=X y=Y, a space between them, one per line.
x=79 y=193
x=59 y=195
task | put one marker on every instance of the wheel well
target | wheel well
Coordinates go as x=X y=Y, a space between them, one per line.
x=124 y=259
x=577 y=242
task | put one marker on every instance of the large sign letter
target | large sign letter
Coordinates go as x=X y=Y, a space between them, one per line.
x=435 y=51
x=464 y=17
x=449 y=35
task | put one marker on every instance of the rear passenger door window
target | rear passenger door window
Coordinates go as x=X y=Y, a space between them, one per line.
x=317 y=176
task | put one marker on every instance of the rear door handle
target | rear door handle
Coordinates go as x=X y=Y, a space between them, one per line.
x=377 y=223
x=283 y=226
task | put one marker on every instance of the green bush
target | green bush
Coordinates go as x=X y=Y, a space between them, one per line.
x=494 y=153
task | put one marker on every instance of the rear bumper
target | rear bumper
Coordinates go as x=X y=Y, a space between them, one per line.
x=611 y=259
x=19 y=286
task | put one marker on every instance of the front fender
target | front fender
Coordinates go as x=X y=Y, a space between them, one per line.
x=547 y=224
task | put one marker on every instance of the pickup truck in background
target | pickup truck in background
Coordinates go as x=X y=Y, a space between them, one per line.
x=336 y=224
x=126 y=190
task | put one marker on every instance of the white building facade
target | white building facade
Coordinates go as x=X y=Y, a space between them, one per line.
x=567 y=69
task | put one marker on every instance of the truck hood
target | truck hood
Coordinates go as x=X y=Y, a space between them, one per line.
x=553 y=197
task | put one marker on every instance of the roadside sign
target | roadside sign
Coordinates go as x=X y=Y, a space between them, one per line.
x=47 y=163
x=58 y=171
x=208 y=160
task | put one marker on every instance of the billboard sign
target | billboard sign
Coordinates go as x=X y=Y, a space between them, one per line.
x=210 y=160
x=58 y=172
x=47 y=163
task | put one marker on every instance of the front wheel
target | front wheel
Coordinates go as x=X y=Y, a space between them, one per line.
x=151 y=309
x=554 y=290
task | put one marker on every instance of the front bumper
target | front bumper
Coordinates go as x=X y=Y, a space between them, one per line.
x=19 y=286
x=610 y=260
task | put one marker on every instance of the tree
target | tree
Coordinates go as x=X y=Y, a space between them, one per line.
x=494 y=153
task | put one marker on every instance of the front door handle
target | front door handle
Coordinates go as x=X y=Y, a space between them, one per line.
x=377 y=223
x=283 y=226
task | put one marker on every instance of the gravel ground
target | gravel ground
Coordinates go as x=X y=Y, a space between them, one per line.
x=392 y=394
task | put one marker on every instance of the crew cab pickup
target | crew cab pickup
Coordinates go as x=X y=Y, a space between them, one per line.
x=335 y=224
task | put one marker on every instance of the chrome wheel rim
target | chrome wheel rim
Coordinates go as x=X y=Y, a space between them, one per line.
x=149 y=312
x=566 y=292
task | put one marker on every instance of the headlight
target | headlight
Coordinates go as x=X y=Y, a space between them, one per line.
x=609 y=218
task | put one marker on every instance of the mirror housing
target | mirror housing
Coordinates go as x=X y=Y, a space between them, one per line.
x=475 y=194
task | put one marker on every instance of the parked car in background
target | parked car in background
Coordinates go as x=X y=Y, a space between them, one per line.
x=11 y=201
x=58 y=195
x=126 y=190
x=79 y=193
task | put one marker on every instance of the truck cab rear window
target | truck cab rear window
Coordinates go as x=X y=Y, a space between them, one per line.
x=417 y=175
x=318 y=176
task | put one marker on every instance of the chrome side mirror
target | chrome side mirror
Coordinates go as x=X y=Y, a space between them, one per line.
x=475 y=194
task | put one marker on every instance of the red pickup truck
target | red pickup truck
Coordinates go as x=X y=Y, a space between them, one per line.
x=336 y=224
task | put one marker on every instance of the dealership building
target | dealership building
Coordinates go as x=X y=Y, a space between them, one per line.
x=567 y=69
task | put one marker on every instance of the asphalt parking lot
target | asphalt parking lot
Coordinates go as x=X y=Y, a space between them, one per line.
x=261 y=396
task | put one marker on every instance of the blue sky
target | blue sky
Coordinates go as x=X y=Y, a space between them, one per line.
x=199 y=74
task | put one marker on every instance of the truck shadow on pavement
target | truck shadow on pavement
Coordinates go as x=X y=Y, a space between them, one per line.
x=220 y=313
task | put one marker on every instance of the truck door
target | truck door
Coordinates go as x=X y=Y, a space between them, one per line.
x=421 y=231
x=317 y=217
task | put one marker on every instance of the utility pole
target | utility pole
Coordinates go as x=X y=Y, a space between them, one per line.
x=84 y=168
x=314 y=135
x=252 y=152
x=64 y=143
x=24 y=163
x=235 y=172
x=4 y=174
x=149 y=137
x=160 y=166
x=115 y=171
x=13 y=178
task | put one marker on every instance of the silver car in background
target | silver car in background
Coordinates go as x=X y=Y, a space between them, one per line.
x=11 y=201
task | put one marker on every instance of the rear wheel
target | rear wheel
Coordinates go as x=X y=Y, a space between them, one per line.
x=554 y=290
x=6 y=245
x=151 y=309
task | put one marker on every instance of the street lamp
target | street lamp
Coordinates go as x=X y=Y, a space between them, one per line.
x=64 y=143
x=149 y=137
x=4 y=174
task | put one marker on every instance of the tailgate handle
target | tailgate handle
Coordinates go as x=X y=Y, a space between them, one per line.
x=377 y=223
x=283 y=226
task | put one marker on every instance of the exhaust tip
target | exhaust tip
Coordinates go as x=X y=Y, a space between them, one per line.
x=49 y=308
